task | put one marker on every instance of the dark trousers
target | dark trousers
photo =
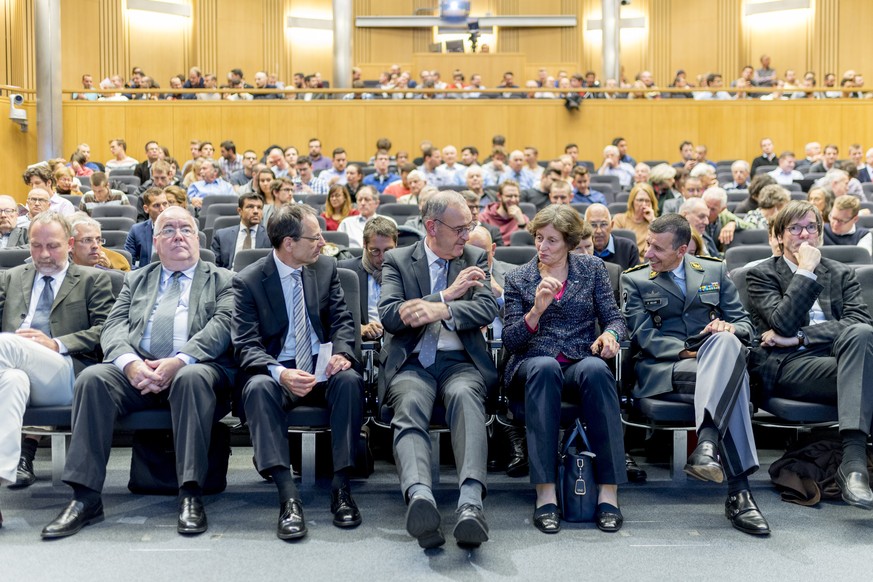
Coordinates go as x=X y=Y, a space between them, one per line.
x=588 y=383
x=102 y=394
x=841 y=373
x=266 y=402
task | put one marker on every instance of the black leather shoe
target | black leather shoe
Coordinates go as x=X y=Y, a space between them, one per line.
x=24 y=476
x=471 y=529
x=743 y=513
x=291 y=523
x=344 y=509
x=72 y=519
x=635 y=474
x=192 y=517
x=517 y=465
x=608 y=518
x=423 y=522
x=703 y=463
x=547 y=518
x=855 y=488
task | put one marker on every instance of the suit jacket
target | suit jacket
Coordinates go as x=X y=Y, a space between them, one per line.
x=626 y=253
x=660 y=319
x=224 y=244
x=142 y=171
x=358 y=267
x=260 y=323
x=209 y=314
x=139 y=243
x=79 y=311
x=18 y=239
x=865 y=175
x=781 y=301
x=406 y=276
x=567 y=326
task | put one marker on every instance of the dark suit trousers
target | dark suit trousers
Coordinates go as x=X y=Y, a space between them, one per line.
x=588 y=383
x=841 y=373
x=411 y=395
x=266 y=402
x=102 y=394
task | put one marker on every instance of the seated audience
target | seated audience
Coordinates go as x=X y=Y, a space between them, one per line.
x=786 y=174
x=400 y=188
x=740 y=174
x=40 y=176
x=613 y=166
x=771 y=200
x=696 y=212
x=141 y=234
x=582 y=191
x=843 y=229
x=414 y=183
x=755 y=187
x=120 y=159
x=823 y=200
x=281 y=193
x=722 y=222
x=209 y=184
x=368 y=203
x=663 y=182
x=101 y=195
x=505 y=214
x=337 y=207
x=382 y=177
x=88 y=250
x=11 y=235
x=472 y=201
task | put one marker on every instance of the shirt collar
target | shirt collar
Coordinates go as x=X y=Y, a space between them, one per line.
x=679 y=272
x=166 y=273
x=431 y=256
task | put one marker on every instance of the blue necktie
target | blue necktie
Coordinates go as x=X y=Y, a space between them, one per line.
x=427 y=355
x=42 y=315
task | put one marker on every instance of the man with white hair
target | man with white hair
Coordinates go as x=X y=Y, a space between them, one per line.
x=11 y=236
x=707 y=175
x=475 y=182
x=450 y=173
x=722 y=222
x=696 y=213
x=516 y=171
x=613 y=166
x=740 y=173
x=662 y=178
x=813 y=155
x=641 y=173
x=618 y=250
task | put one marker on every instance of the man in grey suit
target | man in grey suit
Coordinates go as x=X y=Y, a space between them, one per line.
x=816 y=337
x=436 y=298
x=690 y=331
x=10 y=236
x=52 y=312
x=166 y=344
x=248 y=234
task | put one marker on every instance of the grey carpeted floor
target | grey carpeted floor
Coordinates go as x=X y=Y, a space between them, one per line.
x=672 y=532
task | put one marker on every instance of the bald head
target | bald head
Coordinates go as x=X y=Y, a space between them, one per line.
x=597 y=215
x=481 y=238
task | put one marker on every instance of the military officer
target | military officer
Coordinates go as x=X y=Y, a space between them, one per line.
x=690 y=332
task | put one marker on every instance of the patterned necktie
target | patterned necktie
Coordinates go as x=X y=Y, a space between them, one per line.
x=42 y=316
x=247 y=241
x=427 y=355
x=164 y=319
x=302 y=343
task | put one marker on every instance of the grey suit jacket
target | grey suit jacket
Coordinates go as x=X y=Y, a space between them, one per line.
x=79 y=311
x=363 y=284
x=209 y=314
x=224 y=244
x=660 y=319
x=405 y=276
x=18 y=239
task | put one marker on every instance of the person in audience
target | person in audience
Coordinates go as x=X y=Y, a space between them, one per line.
x=865 y=170
x=383 y=176
x=431 y=159
x=153 y=154
x=539 y=194
x=279 y=352
x=161 y=176
x=786 y=174
x=337 y=207
x=642 y=207
x=816 y=338
x=40 y=177
x=515 y=171
x=472 y=201
x=380 y=236
x=722 y=222
x=613 y=166
x=823 y=200
x=755 y=187
x=696 y=246
x=51 y=332
x=582 y=191
x=368 y=203
x=706 y=174
x=552 y=305
x=400 y=188
x=354 y=180
x=843 y=229
x=689 y=156
x=495 y=168
x=740 y=175
x=450 y=172
x=828 y=160
x=275 y=159
x=248 y=234
x=835 y=180
x=308 y=183
x=696 y=212
x=195 y=81
x=37 y=203
x=642 y=172
x=281 y=193
x=665 y=326
x=12 y=236
x=532 y=169
x=144 y=357
x=77 y=164
x=771 y=200
x=101 y=195
x=177 y=197
x=337 y=173
x=209 y=184
x=618 y=250
x=586 y=243
x=560 y=193
x=318 y=161
x=505 y=214
x=88 y=250
x=65 y=180
x=141 y=234
x=475 y=182
x=120 y=159
x=767 y=157
x=417 y=221
x=244 y=174
x=231 y=162
x=663 y=182
x=436 y=298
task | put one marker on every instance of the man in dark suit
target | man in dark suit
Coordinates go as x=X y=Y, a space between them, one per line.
x=767 y=157
x=248 y=234
x=10 y=236
x=166 y=343
x=143 y=170
x=287 y=305
x=52 y=312
x=140 y=236
x=612 y=249
x=380 y=236
x=436 y=298
x=690 y=331
x=817 y=340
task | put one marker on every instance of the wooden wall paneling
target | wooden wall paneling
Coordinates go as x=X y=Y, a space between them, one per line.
x=822 y=122
x=113 y=35
x=729 y=39
x=97 y=125
x=144 y=122
x=765 y=120
x=19 y=151
x=853 y=119
x=311 y=50
x=713 y=130
x=855 y=43
x=273 y=40
x=660 y=42
x=160 y=44
x=71 y=132
x=204 y=49
x=694 y=45
x=80 y=46
x=242 y=24
x=823 y=37
x=525 y=125
x=5 y=46
x=198 y=120
x=396 y=124
x=342 y=119
x=293 y=127
x=785 y=37
x=19 y=44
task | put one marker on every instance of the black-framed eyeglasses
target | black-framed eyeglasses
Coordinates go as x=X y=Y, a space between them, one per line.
x=459 y=230
x=796 y=229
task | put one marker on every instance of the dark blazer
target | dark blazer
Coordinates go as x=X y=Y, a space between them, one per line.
x=143 y=172
x=209 y=314
x=260 y=322
x=781 y=301
x=763 y=161
x=224 y=244
x=79 y=311
x=626 y=253
x=405 y=276
x=139 y=243
x=865 y=175
x=568 y=325
x=358 y=267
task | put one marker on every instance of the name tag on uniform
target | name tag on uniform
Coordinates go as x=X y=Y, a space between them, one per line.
x=709 y=287
x=654 y=303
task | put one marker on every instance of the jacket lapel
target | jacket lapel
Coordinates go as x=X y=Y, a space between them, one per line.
x=421 y=270
x=274 y=292
x=27 y=285
x=823 y=276
x=197 y=286
x=70 y=280
x=665 y=282
x=693 y=279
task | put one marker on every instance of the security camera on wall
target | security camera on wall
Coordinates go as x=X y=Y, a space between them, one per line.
x=17 y=115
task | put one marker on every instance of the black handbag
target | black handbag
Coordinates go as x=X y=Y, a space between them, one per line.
x=577 y=490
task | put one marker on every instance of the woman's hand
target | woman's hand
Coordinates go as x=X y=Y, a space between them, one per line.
x=546 y=291
x=605 y=346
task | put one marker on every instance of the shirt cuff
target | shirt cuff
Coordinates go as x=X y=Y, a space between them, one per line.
x=450 y=322
x=276 y=373
x=62 y=349
x=123 y=360
x=186 y=358
x=808 y=274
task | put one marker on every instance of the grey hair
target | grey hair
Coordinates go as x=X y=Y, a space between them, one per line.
x=82 y=219
x=716 y=193
x=50 y=216
x=438 y=204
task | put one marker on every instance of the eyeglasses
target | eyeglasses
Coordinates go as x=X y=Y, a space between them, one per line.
x=315 y=238
x=377 y=252
x=796 y=229
x=459 y=230
x=170 y=232
x=90 y=240
x=40 y=200
x=834 y=219
x=9 y=211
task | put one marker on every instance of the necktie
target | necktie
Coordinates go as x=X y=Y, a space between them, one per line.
x=42 y=316
x=678 y=282
x=302 y=344
x=427 y=355
x=247 y=241
x=164 y=319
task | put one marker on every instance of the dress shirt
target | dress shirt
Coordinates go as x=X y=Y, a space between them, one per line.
x=785 y=178
x=454 y=176
x=816 y=314
x=380 y=181
x=374 y=291
x=38 y=285
x=61 y=205
x=228 y=168
x=241 y=236
x=624 y=172
x=593 y=197
x=289 y=349
x=331 y=173
x=524 y=179
x=201 y=188
x=678 y=277
x=354 y=227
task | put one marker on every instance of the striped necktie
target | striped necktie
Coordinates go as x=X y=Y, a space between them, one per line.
x=302 y=344
x=165 y=319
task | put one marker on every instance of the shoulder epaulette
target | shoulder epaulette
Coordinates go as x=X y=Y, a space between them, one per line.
x=637 y=267
x=708 y=258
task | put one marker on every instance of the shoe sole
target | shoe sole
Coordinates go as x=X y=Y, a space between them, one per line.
x=21 y=484
x=94 y=520
x=347 y=524
x=470 y=532
x=756 y=532
x=191 y=530
x=291 y=536
x=715 y=474
x=423 y=523
x=841 y=483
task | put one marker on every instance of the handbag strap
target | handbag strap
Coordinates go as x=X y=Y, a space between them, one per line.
x=579 y=431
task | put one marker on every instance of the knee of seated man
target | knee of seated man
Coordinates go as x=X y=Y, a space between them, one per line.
x=860 y=330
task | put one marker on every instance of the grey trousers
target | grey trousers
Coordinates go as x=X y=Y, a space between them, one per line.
x=455 y=380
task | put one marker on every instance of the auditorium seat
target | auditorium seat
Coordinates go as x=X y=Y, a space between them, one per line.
x=114 y=239
x=625 y=233
x=399 y=212
x=245 y=257
x=73 y=199
x=580 y=207
x=611 y=180
x=340 y=239
x=107 y=211
x=521 y=238
x=530 y=210
x=848 y=255
x=749 y=237
x=13 y=257
x=653 y=163
x=737 y=257
x=208 y=215
x=122 y=223
x=515 y=255
x=764 y=169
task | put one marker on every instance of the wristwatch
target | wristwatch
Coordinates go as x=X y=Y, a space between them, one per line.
x=801 y=337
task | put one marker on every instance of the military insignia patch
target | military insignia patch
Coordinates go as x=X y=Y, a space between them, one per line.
x=707 y=287
x=696 y=266
x=653 y=274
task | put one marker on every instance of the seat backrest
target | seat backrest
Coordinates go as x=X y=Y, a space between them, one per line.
x=849 y=255
x=13 y=257
x=515 y=255
x=340 y=239
x=617 y=208
x=74 y=199
x=864 y=275
x=116 y=222
x=600 y=180
x=387 y=199
x=407 y=235
x=209 y=215
x=738 y=277
x=395 y=211
x=764 y=169
x=580 y=207
x=245 y=257
x=114 y=238
x=106 y=210
x=352 y=292
x=521 y=238
x=736 y=257
x=530 y=210
x=625 y=233
x=749 y=237
x=224 y=222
